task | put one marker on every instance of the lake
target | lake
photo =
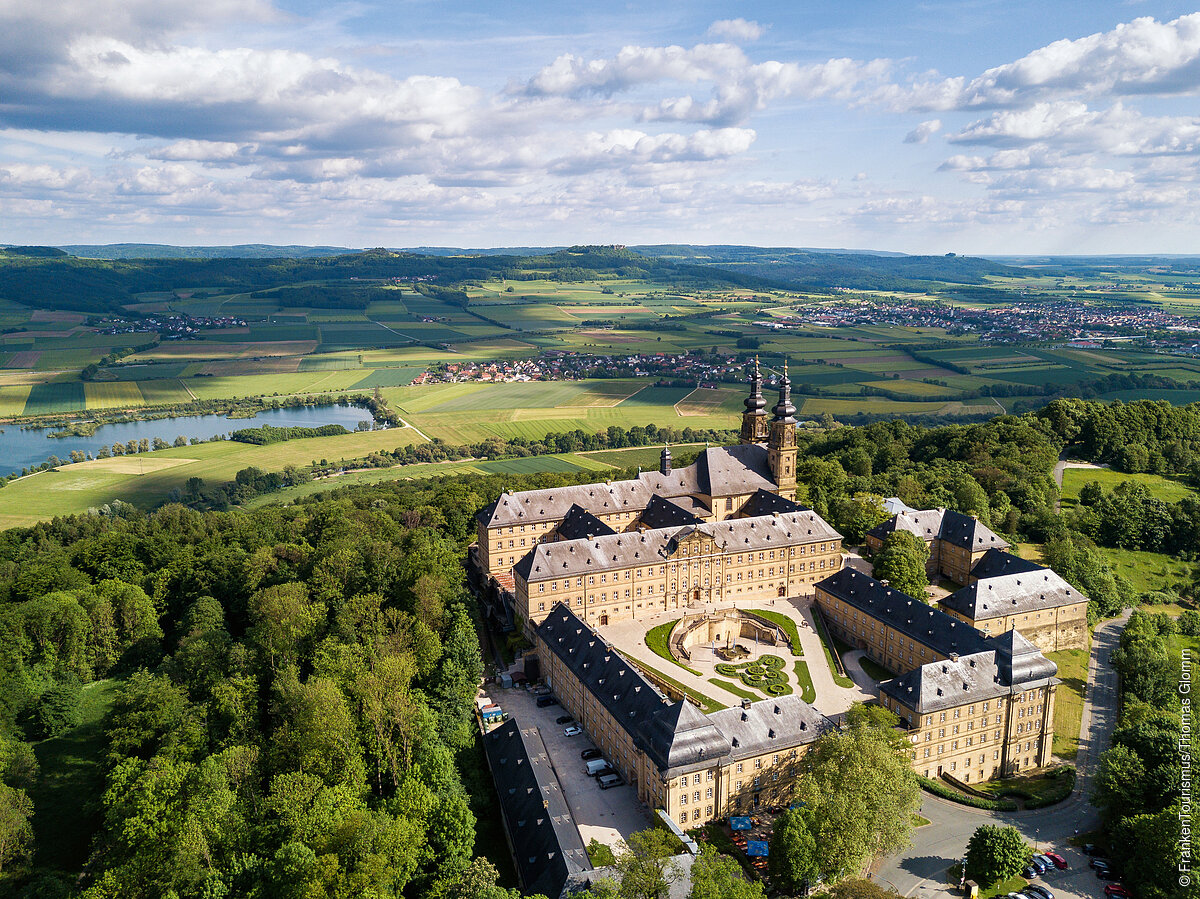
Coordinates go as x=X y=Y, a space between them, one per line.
x=24 y=449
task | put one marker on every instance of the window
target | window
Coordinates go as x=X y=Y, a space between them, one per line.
x=696 y=779
x=739 y=770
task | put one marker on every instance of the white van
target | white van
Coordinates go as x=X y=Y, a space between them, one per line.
x=595 y=766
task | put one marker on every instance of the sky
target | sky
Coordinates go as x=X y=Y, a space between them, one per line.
x=968 y=126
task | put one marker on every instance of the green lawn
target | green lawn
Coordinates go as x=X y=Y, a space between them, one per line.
x=827 y=644
x=707 y=704
x=1068 y=701
x=788 y=625
x=807 y=691
x=1166 y=489
x=657 y=639
x=734 y=689
x=874 y=670
x=1147 y=571
x=66 y=797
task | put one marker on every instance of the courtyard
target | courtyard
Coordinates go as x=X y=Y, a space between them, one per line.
x=802 y=662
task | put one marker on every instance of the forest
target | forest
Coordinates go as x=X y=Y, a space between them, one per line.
x=290 y=688
x=55 y=281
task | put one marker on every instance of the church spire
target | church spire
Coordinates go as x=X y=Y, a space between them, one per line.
x=754 y=419
x=784 y=410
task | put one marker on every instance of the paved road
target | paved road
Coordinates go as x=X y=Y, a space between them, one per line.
x=920 y=871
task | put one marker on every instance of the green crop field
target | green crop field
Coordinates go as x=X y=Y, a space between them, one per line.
x=47 y=399
x=389 y=377
x=112 y=395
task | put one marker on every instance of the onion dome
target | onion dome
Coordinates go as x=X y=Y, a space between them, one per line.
x=754 y=402
x=784 y=410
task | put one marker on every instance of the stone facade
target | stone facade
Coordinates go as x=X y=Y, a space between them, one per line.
x=632 y=575
x=976 y=705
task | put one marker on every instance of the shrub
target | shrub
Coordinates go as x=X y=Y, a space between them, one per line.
x=771 y=662
x=937 y=788
x=726 y=669
x=58 y=710
x=778 y=689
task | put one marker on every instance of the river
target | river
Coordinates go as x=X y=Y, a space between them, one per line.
x=23 y=449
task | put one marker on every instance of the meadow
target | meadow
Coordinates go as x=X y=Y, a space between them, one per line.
x=398 y=333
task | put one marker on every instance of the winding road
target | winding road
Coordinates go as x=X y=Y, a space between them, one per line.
x=920 y=870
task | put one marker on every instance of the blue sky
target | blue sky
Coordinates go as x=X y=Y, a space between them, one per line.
x=978 y=126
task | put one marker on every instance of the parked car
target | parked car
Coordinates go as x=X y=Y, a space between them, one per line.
x=543 y=701
x=609 y=780
x=573 y=731
x=1038 y=892
x=1107 y=874
x=1039 y=864
x=541 y=690
x=1089 y=848
x=564 y=719
x=1116 y=891
x=1059 y=861
x=1098 y=862
x=592 y=753
x=595 y=766
x=1047 y=861
x=1029 y=872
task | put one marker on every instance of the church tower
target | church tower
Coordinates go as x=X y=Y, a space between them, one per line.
x=781 y=445
x=754 y=419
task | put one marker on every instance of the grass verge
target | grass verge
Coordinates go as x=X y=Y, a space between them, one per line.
x=705 y=702
x=1068 y=700
x=658 y=638
x=734 y=689
x=827 y=644
x=874 y=670
x=788 y=625
x=807 y=691
x=66 y=797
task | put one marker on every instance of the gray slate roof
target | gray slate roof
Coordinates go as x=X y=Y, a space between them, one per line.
x=676 y=736
x=580 y=524
x=912 y=617
x=779 y=723
x=943 y=685
x=764 y=502
x=1013 y=594
x=546 y=844
x=662 y=513
x=718 y=471
x=651 y=719
x=1010 y=664
x=996 y=562
x=942 y=524
x=570 y=558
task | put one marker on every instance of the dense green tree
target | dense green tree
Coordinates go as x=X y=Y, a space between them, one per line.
x=854 y=515
x=716 y=876
x=901 y=562
x=16 y=828
x=860 y=793
x=792 y=862
x=995 y=853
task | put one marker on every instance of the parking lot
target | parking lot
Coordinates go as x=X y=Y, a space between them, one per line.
x=606 y=815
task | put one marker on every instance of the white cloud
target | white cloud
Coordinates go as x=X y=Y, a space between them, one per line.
x=736 y=29
x=923 y=132
x=1142 y=57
